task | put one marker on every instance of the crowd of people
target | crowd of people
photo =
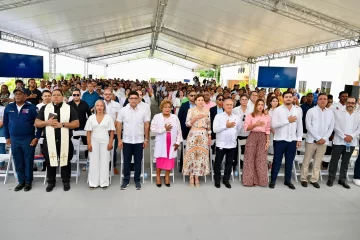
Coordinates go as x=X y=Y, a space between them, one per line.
x=115 y=113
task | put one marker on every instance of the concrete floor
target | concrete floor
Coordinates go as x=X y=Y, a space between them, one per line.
x=179 y=212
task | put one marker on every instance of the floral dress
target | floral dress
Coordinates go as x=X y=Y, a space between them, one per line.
x=196 y=159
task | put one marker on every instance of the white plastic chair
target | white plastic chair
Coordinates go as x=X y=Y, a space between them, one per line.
x=240 y=154
x=82 y=147
x=153 y=162
x=76 y=159
x=132 y=173
x=40 y=174
x=184 y=152
x=212 y=161
x=7 y=158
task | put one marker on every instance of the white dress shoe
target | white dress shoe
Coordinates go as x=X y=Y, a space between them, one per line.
x=357 y=182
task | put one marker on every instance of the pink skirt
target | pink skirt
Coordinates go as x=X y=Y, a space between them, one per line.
x=166 y=163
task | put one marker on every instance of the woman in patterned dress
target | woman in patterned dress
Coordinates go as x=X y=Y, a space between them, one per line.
x=196 y=160
x=255 y=171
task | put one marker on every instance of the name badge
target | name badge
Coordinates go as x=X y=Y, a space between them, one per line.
x=25 y=111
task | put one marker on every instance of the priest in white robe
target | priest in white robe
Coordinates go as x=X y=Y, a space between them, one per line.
x=58 y=119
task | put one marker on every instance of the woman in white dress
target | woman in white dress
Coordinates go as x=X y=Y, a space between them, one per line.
x=100 y=135
x=273 y=103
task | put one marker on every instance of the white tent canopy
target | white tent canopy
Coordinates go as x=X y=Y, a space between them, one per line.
x=189 y=33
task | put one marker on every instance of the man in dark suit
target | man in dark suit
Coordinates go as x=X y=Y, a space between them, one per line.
x=215 y=110
x=182 y=118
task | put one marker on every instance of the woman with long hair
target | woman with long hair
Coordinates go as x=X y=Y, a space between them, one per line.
x=255 y=171
x=196 y=159
x=100 y=135
x=167 y=128
x=5 y=96
x=269 y=96
x=177 y=101
x=274 y=103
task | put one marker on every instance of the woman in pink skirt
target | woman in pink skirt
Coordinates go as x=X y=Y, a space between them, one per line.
x=255 y=171
x=167 y=128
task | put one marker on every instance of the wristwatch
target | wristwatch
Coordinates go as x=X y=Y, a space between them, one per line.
x=63 y=125
x=146 y=140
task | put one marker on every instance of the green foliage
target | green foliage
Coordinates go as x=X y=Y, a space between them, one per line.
x=253 y=83
x=11 y=84
x=46 y=76
x=218 y=75
x=69 y=75
x=243 y=84
x=58 y=76
x=207 y=73
x=152 y=80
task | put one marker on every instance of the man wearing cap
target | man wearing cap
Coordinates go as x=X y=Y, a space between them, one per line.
x=19 y=118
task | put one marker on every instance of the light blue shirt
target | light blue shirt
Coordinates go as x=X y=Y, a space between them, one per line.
x=219 y=110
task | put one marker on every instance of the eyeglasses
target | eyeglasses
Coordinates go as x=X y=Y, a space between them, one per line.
x=133 y=98
x=352 y=103
x=220 y=99
x=76 y=95
x=191 y=95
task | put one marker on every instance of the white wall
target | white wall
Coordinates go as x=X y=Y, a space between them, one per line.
x=145 y=69
x=340 y=68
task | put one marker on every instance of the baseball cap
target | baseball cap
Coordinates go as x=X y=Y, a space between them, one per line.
x=19 y=90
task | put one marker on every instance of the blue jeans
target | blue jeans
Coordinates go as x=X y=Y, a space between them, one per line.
x=130 y=150
x=281 y=148
x=2 y=146
x=23 y=155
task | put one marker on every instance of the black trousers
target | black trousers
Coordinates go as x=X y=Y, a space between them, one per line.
x=65 y=170
x=229 y=154
x=337 y=151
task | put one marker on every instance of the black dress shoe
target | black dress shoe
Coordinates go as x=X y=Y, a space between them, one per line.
x=50 y=187
x=303 y=183
x=315 y=184
x=28 y=187
x=272 y=185
x=330 y=183
x=344 y=184
x=227 y=184
x=158 y=185
x=217 y=184
x=19 y=187
x=66 y=187
x=290 y=185
x=166 y=184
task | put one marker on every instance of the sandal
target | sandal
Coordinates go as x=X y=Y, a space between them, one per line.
x=197 y=183
x=191 y=181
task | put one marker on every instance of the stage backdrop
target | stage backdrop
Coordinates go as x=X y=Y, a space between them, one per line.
x=21 y=66
x=277 y=77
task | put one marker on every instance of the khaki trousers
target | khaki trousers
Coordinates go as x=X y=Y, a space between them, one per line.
x=312 y=150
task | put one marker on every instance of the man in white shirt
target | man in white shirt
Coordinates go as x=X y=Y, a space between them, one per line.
x=341 y=105
x=112 y=109
x=252 y=101
x=319 y=124
x=46 y=97
x=42 y=86
x=143 y=104
x=226 y=126
x=83 y=88
x=347 y=130
x=287 y=124
x=134 y=123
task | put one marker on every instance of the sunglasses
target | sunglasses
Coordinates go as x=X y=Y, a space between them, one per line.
x=220 y=99
x=76 y=95
x=243 y=118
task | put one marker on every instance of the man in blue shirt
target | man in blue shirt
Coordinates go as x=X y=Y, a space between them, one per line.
x=19 y=118
x=90 y=97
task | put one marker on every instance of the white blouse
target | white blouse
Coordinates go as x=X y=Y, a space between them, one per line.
x=100 y=131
